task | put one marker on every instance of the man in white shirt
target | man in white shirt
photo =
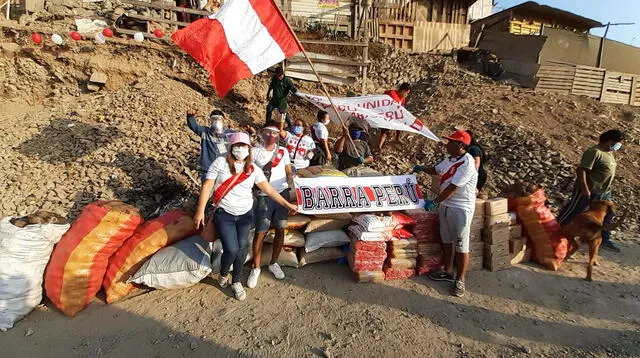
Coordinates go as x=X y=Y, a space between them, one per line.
x=458 y=179
x=320 y=135
x=276 y=165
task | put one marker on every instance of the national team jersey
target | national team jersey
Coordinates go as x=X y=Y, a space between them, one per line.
x=300 y=148
x=461 y=172
x=278 y=178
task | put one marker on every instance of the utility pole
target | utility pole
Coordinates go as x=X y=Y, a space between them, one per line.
x=604 y=39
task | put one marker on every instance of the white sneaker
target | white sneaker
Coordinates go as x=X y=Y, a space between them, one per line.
x=238 y=291
x=252 y=281
x=276 y=271
x=223 y=281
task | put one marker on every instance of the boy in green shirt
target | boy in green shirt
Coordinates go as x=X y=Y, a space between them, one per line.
x=279 y=89
x=594 y=181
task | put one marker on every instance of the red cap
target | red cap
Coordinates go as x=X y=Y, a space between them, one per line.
x=460 y=136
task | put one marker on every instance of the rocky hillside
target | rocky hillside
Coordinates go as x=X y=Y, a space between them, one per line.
x=67 y=146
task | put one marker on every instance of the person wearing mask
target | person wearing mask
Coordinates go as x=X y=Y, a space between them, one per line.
x=594 y=181
x=348 y=157
x=457 y=200
x=477 y=152
x=231 y=178
x=399 y=96
x=277 y=94
x=276 y=165
x=300 y=146
x=320 y=135
x=213 y=139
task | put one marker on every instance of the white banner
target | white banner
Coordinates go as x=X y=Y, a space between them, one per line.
x=328 y=195
x=380 y=111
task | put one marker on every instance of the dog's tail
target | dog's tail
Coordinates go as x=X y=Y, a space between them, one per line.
x=615 y=225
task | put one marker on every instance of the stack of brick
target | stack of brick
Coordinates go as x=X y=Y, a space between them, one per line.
x=496 y=235
x=401 y=259
x=476 y=246
x=366 y=259
x=428 y=241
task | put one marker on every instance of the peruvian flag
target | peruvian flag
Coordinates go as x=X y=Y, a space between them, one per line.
x=243 y=38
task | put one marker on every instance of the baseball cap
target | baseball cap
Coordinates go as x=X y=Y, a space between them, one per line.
x=460 y=136
x=239 y=137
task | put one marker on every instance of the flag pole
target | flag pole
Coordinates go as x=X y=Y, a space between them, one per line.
x=324 y=88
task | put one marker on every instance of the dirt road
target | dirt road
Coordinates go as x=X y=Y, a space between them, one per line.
x=320 y=311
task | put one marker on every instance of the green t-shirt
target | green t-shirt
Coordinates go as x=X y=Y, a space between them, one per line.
x=602 y=169
x=281 y=89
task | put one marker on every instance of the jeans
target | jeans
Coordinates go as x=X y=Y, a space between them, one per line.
x=579 y=203
x=270 y=109
x=233 y=232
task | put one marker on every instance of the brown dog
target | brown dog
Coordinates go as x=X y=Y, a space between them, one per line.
x=587 y=227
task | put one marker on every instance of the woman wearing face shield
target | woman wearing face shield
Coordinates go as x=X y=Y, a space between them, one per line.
x=213 y=139
x=300 y=146
x=231 y=178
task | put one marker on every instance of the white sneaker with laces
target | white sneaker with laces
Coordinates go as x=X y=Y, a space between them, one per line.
x=223 y=281
x=252 y=281
x=276 y=271
x=238 y=291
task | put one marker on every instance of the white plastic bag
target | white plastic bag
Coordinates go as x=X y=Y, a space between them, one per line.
x=180 y=265
x=358 y=233
x=24 y=254
x=331 y=238
x=373 y=223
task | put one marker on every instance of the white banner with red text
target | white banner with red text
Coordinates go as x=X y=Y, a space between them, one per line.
x=379 y=111
x=330 y=195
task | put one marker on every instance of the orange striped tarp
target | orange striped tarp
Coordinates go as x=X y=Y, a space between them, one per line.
x=79 y=260
x=150 y=237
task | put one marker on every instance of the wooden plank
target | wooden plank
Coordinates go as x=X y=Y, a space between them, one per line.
x=634 y=88
x=320 y=72
x=300 y=59
x=155 y=19
x=167 y=7
x=589 y=78
x=588 y=82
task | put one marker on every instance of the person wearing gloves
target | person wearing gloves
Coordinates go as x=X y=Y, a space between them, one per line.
x=213 y=139
x=300 y=146
x=347 y=156
x=457 y=199
x=276 y=165
x=231 y=178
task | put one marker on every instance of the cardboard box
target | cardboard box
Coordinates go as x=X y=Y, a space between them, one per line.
x=477 y=223
x=476 y=249
x=496 y=235
x=501 y=219
x=496 y=206
x=517 y=245
x=429 y=248
x=479 y=211
x=475 y=264
x=522 y=256
x=515 y=231
x=498 y=250
x=497 y=266
x=476 y=236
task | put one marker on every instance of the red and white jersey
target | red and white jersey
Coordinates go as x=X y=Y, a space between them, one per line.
x=461 y=172
x=300 y=148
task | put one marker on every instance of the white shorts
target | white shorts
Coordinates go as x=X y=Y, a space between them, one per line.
x=455 y=227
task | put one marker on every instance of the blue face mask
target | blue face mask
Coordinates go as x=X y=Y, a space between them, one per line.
x=297 y=130
x=355 y=133
x=616 y=147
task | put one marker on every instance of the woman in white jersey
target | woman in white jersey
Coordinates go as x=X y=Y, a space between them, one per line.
x=232 y=178
x=298 y=143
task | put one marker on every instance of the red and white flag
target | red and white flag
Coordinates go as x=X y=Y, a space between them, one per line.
x=244 y=38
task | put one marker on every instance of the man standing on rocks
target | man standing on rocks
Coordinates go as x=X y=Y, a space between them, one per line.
x=213 y=139
x=457 y=201
x=595 y=181
x=398 y=96
x=279 y=90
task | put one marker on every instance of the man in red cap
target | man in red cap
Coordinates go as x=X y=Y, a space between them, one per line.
x=457 y=198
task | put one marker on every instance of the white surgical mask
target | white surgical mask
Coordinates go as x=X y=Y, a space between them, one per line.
x=240 y=153
x=327 y=121
x=217 y=126
x=616 y=147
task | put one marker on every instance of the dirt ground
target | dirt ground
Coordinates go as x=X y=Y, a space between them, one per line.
x=63 y=147
x=320 y=311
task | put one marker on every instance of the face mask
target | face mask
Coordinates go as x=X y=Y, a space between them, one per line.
x=327 y=121
x=217 y=126
x=616 y=147
x=240 y=152
x=355 y=133
x=297 y=130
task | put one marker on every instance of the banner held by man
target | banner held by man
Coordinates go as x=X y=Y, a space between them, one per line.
x=379 y=111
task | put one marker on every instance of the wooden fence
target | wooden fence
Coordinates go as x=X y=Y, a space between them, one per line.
x=598 y=83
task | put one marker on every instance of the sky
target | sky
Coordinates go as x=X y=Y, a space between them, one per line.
x=601 y=10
